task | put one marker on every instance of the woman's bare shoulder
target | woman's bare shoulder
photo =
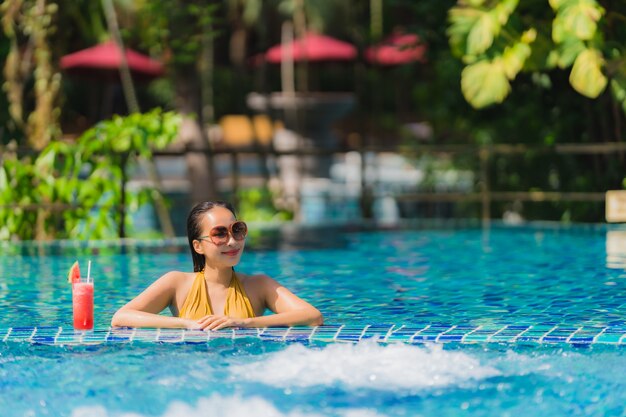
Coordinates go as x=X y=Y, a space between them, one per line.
x=180 y=274
x=255 y=279
x=177 y=277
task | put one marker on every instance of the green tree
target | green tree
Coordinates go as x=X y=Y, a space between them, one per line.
x=184 y=32
x=497 y=39
x=77 y=190
x=542 y=107
x=28 y=25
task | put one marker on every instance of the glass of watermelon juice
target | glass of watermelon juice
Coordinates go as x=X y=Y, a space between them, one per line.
x=82 y=303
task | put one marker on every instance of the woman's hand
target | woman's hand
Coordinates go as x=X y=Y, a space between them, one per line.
x=214 y=322
x=190 y=324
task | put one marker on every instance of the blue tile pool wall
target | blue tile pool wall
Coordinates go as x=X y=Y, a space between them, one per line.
x=409 y=334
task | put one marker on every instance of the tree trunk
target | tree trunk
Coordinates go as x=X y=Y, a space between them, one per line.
x=193 y=136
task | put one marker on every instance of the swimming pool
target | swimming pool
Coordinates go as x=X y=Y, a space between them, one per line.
x=533 y=319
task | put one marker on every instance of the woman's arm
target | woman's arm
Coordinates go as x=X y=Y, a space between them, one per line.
x=289 y=309
x=143 y=310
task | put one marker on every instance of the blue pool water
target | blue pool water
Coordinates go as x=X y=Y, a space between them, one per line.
x=547 y=286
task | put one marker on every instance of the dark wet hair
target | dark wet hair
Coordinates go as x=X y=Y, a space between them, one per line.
x=194 y=228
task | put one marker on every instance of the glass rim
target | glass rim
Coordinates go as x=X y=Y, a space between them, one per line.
x=229 y=230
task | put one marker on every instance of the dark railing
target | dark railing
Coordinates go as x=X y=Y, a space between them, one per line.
x=482 y=157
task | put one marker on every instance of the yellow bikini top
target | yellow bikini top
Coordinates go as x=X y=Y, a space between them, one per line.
x=198 y=305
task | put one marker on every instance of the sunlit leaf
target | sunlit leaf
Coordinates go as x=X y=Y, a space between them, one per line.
x=586 y=76
x=485 y=83
x=582 y=19
x=481 y=36
x=45 y=160
x=514 y=57
x=503 y=10
x=121 y=143
x=578 y=19
x=566 y=54
x=557 y=4
x=462 y=21
x=4 y=181
x=529 y=36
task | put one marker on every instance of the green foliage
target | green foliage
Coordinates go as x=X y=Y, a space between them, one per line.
x=487 y=81
x=73 y=190
x=586 y=76
x=176 y=28
x=575 y=18
x=29 y=61
x=484 y=83
x=494 y=49
x=574 y=32
x=255 y=204
x=473 y=29
x=486 y=36
x=618 y=88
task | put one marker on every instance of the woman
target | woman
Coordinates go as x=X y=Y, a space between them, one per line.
x=214 y=296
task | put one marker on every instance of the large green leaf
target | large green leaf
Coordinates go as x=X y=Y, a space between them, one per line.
x=586 y=76
x=514 y=57
x=462 y=21
x=482 y=34
x=485 y=83
x=566 y=53
x=473 y=28
x=576 y=18
x=503 y=10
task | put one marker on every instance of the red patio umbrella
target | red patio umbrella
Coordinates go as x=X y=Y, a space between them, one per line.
x=105 y=60
x=398 y=49
x=313 y=47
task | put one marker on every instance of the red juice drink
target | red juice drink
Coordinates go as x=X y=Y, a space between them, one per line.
x=82 y=304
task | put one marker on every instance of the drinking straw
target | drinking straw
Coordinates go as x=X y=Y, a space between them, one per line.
x=88 y=270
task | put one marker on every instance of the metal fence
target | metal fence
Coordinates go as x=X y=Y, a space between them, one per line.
x=482 y=191
x=479 y=160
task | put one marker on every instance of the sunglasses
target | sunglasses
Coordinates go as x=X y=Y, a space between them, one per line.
x=219 y=235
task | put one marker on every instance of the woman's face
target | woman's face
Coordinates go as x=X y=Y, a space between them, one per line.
x=219 y=255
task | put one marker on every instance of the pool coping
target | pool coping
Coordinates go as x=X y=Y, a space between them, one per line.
x=560 y=335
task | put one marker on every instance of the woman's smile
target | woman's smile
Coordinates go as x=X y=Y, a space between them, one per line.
x=232 y=252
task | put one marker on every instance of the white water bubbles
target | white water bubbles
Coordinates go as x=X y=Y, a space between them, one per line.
x=365 y=365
